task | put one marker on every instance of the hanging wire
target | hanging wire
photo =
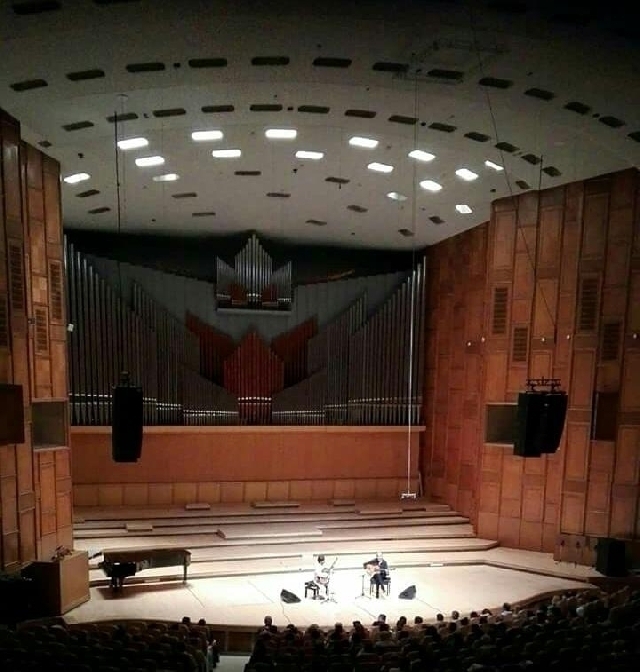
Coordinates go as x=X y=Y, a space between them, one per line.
x=116 y=129
x=513 y=198
x=408 y=493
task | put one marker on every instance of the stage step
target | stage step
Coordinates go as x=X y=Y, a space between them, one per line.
x=267 y=531
x=285 y=504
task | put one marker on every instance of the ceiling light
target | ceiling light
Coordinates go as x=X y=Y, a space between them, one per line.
x=226 y=153
x=430 y=185
x=396 y=196
x=203 y=136
x=167 y=177
x=76 y=177
x=304 y=154
x=132 y=143
x=420 y=155
x=281 y=133
x=464 y=209
x=466 y=174
x=366 y=143
x=145 y=161
x=380 y=167
x=495 y=166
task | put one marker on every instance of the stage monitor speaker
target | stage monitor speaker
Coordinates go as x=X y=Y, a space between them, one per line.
x=127 y=423
x=611 y=557
x=288 y=597
x=539 y=423
x=408 y=593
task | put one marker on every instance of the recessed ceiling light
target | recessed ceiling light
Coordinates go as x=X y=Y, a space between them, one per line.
x=420 y=155
x=495 y=166
x=366 y=143
x=466 y=174
x=430 y=185
x=145 y=161
x=306 y=154
x=132 y=143
x=76 y=177
x=281 y=133
x=464 y=209
x=203 y=136
x=226 y=153
x=380 y=167
x=167 y=177
x=396 y=196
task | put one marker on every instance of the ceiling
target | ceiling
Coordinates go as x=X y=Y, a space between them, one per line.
x=550 y=94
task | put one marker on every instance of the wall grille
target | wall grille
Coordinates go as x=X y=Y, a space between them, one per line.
x=55 y=287
x=499 y=321
x=42 y=332
x=611 y=341
x=4 y=322
x=520 y=346
x=16 y=285
x=588 y=306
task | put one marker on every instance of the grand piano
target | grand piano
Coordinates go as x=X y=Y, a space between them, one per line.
x=120 y=563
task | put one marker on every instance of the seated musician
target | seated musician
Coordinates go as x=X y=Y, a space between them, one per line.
x=322 y=574
x=378 y=570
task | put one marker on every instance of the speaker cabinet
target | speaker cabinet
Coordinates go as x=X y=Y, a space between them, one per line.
x=127 y=422
x=539 y=423
x=610 y=557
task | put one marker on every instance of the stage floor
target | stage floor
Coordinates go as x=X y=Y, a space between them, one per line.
x=501 y=575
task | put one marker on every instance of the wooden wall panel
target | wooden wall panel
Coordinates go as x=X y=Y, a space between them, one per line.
x=537 y=266
x=37 y=505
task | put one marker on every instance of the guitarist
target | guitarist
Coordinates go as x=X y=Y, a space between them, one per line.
x=323 y=573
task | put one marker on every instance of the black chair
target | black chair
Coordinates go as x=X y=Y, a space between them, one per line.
x=385 y=586
x=313 y=587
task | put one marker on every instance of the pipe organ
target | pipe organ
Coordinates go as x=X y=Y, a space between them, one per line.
x=251 y=282
x=359 y=369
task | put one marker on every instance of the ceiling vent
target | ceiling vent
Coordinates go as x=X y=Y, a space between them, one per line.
x=87 y=193
x=496 y=83
x=278 y=194
x=399 y=119
x=532 y=159
x=360 y=114
x=127 y=116
x=578 y=108
x=31 y=8
x=477 y=137
x=29 y=85
x=522 y=184
x=44 y=143
x=248 y=173
x=217 y=109
x=314 y=109
x=337 y=180
x=171 y=112
x=326 y=62
x=551 y=171
x=98 y=211
x=506 y=147
x=84 y=75
x=207 y=63
x=612 y=122
x=185 y=194
x=208 y=213
x=436 y=220
x=77 y=126
x=270 y=60
x=407 y=233
x=316 y=222
x=444 y=128
x=540 y=94
x=357 y=208
x=446 y=75
x=386 y=66
x=145 y=67
x=265 y=107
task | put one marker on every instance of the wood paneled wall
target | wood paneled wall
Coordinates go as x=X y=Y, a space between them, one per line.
x=549 y=287
x=35 y=487
x=181 y=465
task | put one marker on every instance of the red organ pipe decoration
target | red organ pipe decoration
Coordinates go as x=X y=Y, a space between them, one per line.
x=253 y=373
x=291 y=347
x=215 y=347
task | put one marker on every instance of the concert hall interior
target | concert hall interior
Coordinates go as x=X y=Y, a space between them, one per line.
x=282 y=281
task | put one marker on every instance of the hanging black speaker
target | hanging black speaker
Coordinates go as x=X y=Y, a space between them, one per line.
x=611 y=557
x=127 y=423
x=539 y=422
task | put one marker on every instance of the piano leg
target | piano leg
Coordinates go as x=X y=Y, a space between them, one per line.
x=184 y=570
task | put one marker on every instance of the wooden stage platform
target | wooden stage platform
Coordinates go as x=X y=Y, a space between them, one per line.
x=244 y=555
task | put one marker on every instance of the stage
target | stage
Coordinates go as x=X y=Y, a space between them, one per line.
x=243 y=556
